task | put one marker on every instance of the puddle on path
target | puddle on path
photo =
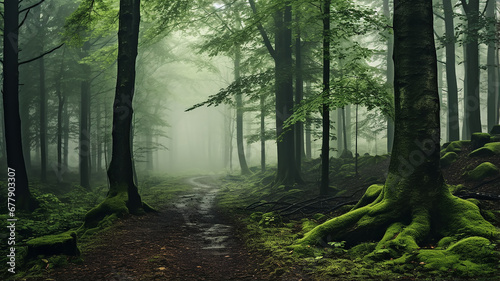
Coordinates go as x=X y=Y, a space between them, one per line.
x=198 y=211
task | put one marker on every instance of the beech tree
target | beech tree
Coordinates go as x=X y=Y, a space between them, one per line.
x=123 y=195
x=414 y=204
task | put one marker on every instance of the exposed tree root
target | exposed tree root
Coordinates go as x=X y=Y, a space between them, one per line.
x=402 y=228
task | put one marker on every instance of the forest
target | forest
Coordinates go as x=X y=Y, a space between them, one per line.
x=250 y=140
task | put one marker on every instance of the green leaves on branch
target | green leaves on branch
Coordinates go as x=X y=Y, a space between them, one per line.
x=246 y=85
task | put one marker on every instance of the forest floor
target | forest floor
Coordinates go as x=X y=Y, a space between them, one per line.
x=185 y=240
x=238 y=228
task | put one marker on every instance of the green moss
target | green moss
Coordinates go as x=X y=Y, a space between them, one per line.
x=370 y=195
x=308 y=225
x=270 y=219
x=111 y=205
x=362 y=250
x=454 y=146
x=64 y=243
x=445 y=242
x=455 y=188
x=448 y=159
x=458 y=216
x=489 y=149
x=482 y=171
x=473 y=256
x=479 y=140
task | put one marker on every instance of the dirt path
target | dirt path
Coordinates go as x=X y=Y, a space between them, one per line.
x=186 y=241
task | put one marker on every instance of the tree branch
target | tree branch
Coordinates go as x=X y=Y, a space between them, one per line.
x=465 y=5
x=262 y=31
x=24 y=19
x=42 y=55
x=32 y=6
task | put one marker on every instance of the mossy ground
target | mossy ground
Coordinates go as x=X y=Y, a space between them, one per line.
x=272 y=235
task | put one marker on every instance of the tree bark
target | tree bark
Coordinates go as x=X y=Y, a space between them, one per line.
x=389 y=75
x=472 y=102
x=493 y=78
x=451 y=76
x=84 y=137
x=299 y=95
x=287 y=173
x=13 y=139
x=263 y=133
x=239 y=115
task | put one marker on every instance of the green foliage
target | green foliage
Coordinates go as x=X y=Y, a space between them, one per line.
x=246 y=85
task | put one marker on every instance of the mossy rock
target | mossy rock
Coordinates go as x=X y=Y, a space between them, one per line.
x=495 y=130
x=448 y=159
x=479 y=140
x=64 y=243
x=489 y=149
x=454 y=146
x=473 y=256
x=482 y=171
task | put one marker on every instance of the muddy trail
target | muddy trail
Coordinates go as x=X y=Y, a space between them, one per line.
x=187 y=240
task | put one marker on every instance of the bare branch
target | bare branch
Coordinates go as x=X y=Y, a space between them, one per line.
x=32 y=6
x=262 y=31
x=42 y=55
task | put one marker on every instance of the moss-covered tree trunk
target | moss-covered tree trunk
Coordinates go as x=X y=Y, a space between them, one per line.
x=415 y=203
x=123 y=196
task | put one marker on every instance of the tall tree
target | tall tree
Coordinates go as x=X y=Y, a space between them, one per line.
x=239 y=114
x=451 y=76
x=13 y=139
x=389 y=74
x=492 y=66
x=287 y=169
x=123 y=195
x=84 y=133
x=325 y=148
x=471 y=100
x=287 y=172
x=415 y=202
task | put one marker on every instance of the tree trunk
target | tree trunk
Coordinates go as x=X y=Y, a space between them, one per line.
x=493 y=78
x=414 y=204
x=308 y=128
x=389 y=76
x=13 y=139
x=340 y=132
x=263 y=133
x=84 y=139
x=61 y=99
x=287 y=173
x=325 y=148
x=239 y=115
x=299 y=94
x=472 y=102
x=451 y=76
x=43 y=121
x=65 y=135
x=123 y=196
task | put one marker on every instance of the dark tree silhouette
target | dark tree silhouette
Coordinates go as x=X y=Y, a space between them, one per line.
x=12 y=119
x=123 y=196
